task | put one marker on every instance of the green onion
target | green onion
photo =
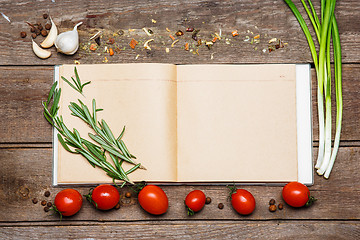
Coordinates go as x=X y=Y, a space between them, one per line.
x=324 y=30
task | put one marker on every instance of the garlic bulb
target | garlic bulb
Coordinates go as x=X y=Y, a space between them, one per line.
x=41 y=53
x=50 y=39
x=68 y=42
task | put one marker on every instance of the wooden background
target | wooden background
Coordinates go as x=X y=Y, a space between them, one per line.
x=25 y=136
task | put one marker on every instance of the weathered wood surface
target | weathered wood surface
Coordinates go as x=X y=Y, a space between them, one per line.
x=192 y=230
x=25 y=136
x=272 y=18
x=27 y=175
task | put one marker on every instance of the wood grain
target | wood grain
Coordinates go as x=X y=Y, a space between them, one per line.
x=23 y=88
x=268 y=18
x=27 y=174
x=339 y=230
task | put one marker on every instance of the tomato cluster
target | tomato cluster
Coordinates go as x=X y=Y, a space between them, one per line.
x=155 y=201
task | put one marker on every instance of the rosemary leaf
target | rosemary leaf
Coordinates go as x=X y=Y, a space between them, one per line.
x=133 y=169
x=121 y=134
x=71 y=85
x=61 y=140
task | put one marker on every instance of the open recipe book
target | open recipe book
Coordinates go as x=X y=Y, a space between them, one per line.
x=196 y=123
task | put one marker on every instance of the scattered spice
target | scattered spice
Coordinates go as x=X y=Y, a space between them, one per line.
x=43 y=202
x=209 y=45
x=257 y=36
x=168 y=30
x=37 y=31
x=280 y=206
x=118 y=50
x=44 y=33
x=147 y=31
x=194 y=35
x=45 y=15
x=235 y=33
x=272 y=201
x=153 y=20
x=40 y=27
x=167 y=50
x=214 y=39
x=46 y=209
x=146 y=44
x=179 y=33
x=174 y=42
x=93 y=47
x=128 y=194
x=47 y=194
x=272 y=208
x=111 y=51
x=190 y=29
x=172 y=37
x=32 y=29
x=272 y=40
x=23 y=34
x=187 y=46
x=208 y=200
x=34 y=200
x=49 y=204
x=33 y=35
x=133 y=43
x=105 y=60
x=117 y=207
x=97 y=40
x=47 y=26
x=220 y=206
x=199 y=42
x=111 y=41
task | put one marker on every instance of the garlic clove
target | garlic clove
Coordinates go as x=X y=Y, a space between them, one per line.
x=41 y=53
x=68 y=42
x=51 y=37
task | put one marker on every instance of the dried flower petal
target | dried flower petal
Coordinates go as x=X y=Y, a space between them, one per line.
x=133 y=43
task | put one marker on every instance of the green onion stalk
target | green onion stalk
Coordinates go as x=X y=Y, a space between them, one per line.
x=324 y=30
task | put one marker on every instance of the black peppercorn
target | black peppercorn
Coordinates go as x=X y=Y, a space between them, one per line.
x=272 y=201
x=46 y=209
x=128 y=195
x=44 y=33
x=35 y=201
x=45 y=15
x=47 y=194
x=23 y=34
x=47 y=26
x=272 y=208
x=280 y=206
x=43 y=202
x=33 y=35
x=40 y=27
x=208 y=200
x=49 y=204
x=220 y=206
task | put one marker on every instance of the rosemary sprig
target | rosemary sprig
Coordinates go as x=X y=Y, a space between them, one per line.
x=78 y=86
x=95 y=154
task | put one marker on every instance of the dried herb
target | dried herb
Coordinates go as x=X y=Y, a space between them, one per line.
x=194 y=35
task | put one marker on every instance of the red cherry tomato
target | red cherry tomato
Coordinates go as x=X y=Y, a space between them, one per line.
x=105 y=197
x=297 y=194
x=153 y=200
x=243 y=201
x=68 y=202
x=195 y=201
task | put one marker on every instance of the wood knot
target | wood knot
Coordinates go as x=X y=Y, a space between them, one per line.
x=24 y=192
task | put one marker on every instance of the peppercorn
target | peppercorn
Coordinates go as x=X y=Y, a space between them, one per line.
x=128 y=195
x=47 y=194
x=190 y=29
x=272 y=201
x=35 y=201
x=32 y=29
x=220 y=206
x=44 y=33
x=46 y=209
x=49 y=204
x=281 y=206
x=45 y=15
x=117 y=206
x=47 y=26
x=272 y=208
x=23 y=34
x=40 y=27
x=37 y=31
x=43 y=202
x=33 y=35
x=208 y=200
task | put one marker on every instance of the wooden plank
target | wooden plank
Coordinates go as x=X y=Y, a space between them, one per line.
x=260 y=17
x=23 y=88
x=26 y=174
x=191 y=230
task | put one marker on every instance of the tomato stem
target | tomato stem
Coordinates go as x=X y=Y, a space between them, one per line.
x=54 y=208
x=138 y=187
x=190 y=212
x=310 y=201
x=89 y=198
x=232 y=191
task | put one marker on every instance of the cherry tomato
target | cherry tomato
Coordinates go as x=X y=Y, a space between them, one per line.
x=68 y=202
x=105 y=197
x=243 y=201
x=195 y=201
x=153 y=200
x=297 y=194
